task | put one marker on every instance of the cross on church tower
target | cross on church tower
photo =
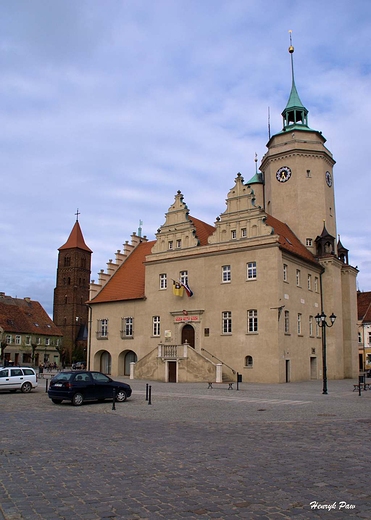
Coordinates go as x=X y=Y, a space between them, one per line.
x=77 y=215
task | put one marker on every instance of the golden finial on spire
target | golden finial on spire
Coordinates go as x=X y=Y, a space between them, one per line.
x=291 y=48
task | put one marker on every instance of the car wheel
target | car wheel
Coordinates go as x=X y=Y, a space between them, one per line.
x=77 y=399
x=121 y=395
x=26 y=387
x=57 y=401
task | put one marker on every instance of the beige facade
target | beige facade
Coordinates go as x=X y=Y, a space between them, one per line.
x=259 y=276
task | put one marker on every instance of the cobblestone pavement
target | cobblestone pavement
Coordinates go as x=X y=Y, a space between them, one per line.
x=263 y=452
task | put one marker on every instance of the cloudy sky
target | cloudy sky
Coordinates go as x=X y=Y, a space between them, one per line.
x=111 y=106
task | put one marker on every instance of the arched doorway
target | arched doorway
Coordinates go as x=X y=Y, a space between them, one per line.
x=130 y=357
x=188 y=335
x=105 y=363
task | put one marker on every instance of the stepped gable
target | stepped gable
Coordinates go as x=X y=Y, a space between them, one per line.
x=76 y=239
x=364 y=306
x=203 y=230
x=26 y=316
x=288 y=240
x=128 y=282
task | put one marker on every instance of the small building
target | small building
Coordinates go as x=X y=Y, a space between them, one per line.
x=364 y=330
x=28 y=336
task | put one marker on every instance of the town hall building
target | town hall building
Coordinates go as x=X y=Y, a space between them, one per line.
x=203 y=302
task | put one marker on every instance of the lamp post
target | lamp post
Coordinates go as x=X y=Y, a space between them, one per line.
x=321 y=322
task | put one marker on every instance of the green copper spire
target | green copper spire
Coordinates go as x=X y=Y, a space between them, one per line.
x=295 y=115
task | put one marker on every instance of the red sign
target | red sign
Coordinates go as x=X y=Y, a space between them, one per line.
x=186 y=318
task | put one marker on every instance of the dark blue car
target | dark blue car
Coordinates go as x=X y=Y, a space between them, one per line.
x=80 y=386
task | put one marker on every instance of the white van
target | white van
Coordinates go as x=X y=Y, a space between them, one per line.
x=18 y=378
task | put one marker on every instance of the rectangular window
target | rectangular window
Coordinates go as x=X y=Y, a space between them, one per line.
x=226 y=273
x=311 y=326
x=170 y=244
x=233 y=234
x=309 y=282
x=183 y=277
x=287 y=322
x=8 y=339
x=243 y=233
x=369 y=338
x=47 y=341
x=316 y=284
x=285 y=273
x=102 y=329
x=252 y=320
x=127 y=327
x=251 y=271
x=227 y=322
x=299 y=323
x=178 y=244
x=28 y=340
x=156 y=326
x=308 y=242
x=298 y=277
x=163 y=281
x=317 y=330
x=38 y=341
x=18 y=340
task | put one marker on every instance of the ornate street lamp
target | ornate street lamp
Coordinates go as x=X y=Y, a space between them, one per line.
x=321 y=322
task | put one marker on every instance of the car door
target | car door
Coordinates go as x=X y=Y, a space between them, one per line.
x=5 y=379
x=16 y=378
x=103 y=385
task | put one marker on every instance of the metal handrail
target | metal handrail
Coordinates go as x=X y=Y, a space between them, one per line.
x=212 y=355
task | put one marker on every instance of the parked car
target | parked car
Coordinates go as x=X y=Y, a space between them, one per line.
x=79 y=386
x=79 y=365
x=18 y=378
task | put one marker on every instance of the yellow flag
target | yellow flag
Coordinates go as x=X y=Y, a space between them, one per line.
x=178 y=289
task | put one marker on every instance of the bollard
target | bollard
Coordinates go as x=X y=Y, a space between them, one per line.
x=359 y=386
x=46 y=385
x=146 y=391
x=149 y=394
x=114 y=399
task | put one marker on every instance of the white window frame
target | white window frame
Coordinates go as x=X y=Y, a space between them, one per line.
x=251 y=270
x=309 y=282
x=285 y=272
x=311 y=326
x=252 y=321
x=226 y=273
x=233 y=234
x=227 y=322
x=287 y=322
x=156 y=326
x=183 y=277
x=163 y=281
x=127 y=324
x=18 y=339
x=299 y=324
x=298 y=278
x=102 y=332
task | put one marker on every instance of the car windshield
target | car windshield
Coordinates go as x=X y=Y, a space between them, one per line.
x=62 y=377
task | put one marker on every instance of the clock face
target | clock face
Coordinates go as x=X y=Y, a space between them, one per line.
x=328 y=179
x=283 y=174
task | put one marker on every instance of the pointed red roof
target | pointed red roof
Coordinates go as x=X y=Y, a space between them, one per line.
x=203 y=230
x=76 y=239
x=128 y=281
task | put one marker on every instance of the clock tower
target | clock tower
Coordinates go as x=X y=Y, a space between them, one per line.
x=298 y=173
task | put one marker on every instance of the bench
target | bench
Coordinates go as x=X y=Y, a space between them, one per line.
x=229 y=383
x=365 y=386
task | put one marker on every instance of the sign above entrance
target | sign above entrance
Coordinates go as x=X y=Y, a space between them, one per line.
x=184 y=319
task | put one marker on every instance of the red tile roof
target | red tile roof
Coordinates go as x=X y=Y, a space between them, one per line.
x=127 y=283
x=364 y=306
x=288 y=240
x=203 y=230
x=76 y=239
x=25 y=317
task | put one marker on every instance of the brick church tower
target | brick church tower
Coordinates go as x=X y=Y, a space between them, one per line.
x=70 y=312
